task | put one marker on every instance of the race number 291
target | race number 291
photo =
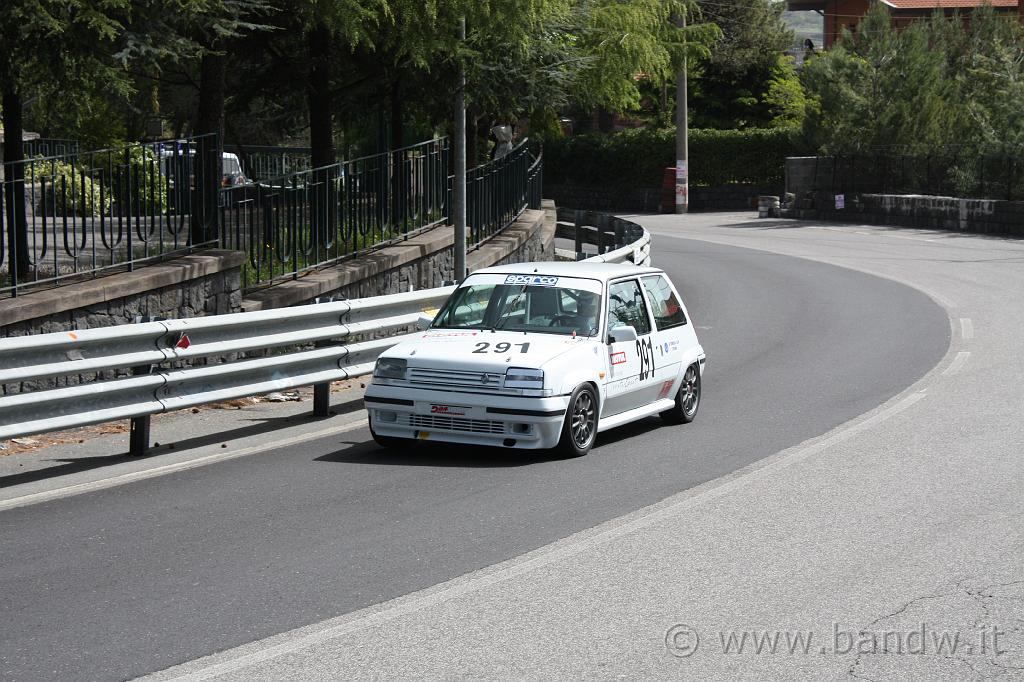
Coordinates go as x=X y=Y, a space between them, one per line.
x=645 y=349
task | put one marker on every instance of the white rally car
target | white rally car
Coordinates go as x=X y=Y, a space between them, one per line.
x=541 y=355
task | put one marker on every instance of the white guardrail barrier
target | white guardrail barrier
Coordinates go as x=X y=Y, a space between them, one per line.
x=149 y=347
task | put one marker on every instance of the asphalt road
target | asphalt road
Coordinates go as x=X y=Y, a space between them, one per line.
x=133 y=579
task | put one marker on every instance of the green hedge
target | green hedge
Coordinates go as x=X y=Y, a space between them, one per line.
x=637 y=158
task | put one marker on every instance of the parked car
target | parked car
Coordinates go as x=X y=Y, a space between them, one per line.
x=177 y=161
x=541 y=355
x=231 y=171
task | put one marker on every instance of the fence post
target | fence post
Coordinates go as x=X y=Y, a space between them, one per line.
x=578 y=236
x=602 y=225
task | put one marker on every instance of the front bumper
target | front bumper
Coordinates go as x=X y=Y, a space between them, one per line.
x=459 y=417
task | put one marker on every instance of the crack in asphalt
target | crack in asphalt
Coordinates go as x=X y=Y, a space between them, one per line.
x=982 y=597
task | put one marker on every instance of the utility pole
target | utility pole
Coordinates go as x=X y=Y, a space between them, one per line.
x=682 y=143
x=459 y=182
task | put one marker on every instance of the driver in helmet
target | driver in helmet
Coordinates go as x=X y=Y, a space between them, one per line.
x=586 y=314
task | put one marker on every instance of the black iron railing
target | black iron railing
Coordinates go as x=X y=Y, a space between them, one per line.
x=958 y=175
x=313 y=218
x=262 y=163
x=498 y=191
x=81 y=214
x=46 y=147
x=77 y=215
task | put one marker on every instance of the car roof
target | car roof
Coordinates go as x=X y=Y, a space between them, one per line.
x=600 y=271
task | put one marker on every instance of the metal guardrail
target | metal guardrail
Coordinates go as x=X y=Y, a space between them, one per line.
x=154 y=347
x=617 y=240
x=316 y=344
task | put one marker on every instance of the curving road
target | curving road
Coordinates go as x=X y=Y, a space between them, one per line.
x=133 y=579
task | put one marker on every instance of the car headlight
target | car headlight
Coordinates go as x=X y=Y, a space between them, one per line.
x=390 y=368
x=521 y=377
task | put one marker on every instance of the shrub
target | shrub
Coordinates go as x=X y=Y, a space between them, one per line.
x=67 y=189
x=637 y=158
x=141 y=173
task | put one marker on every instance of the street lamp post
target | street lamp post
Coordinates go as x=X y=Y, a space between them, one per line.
x=459 y=181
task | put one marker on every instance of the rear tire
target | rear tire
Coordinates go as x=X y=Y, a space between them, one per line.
x=687 y=399
x=579 y=430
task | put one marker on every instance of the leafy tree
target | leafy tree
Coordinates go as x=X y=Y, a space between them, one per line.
x=46 y=42
x=730 y=88
x=931 y=87
x=785 y=98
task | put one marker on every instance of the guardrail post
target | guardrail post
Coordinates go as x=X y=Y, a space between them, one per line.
x=322 y=391
x=138 y=440
x=322 y=400
x=138 y=437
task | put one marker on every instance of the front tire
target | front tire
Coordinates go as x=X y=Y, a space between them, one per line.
x=579 y=431
x=687 y=399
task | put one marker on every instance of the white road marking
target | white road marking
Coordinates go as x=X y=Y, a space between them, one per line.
x=304 y=638
x=957 y=364
x=966 y=328
x=80 y=488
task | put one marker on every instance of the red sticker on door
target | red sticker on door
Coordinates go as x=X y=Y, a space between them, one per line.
x=666 y=387
x=618 y=358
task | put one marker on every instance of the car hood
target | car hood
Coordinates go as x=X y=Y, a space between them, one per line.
x=482 y=350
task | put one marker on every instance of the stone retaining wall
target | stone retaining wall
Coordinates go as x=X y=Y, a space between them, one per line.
x=207 y=283
x=984 y=216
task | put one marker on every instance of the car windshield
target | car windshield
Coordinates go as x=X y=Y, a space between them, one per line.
x=519 y=307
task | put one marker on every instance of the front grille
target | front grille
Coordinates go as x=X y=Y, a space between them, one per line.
x=440 y=423
x=455 y=377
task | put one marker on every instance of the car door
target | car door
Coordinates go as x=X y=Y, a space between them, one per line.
x=671 y=335
x=631 y=364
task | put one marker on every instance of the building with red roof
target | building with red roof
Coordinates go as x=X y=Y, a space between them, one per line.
x=846 y=14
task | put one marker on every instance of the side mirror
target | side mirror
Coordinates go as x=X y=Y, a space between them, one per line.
x=622 y=335
x=425 y=318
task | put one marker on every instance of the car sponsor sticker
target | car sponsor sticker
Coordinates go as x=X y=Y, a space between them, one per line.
x=532 y=280
x=666 y=387
x=448 y=410
x=619 y=358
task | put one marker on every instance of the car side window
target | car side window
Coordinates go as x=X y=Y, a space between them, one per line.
x=664 y=304
x=626 y=307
